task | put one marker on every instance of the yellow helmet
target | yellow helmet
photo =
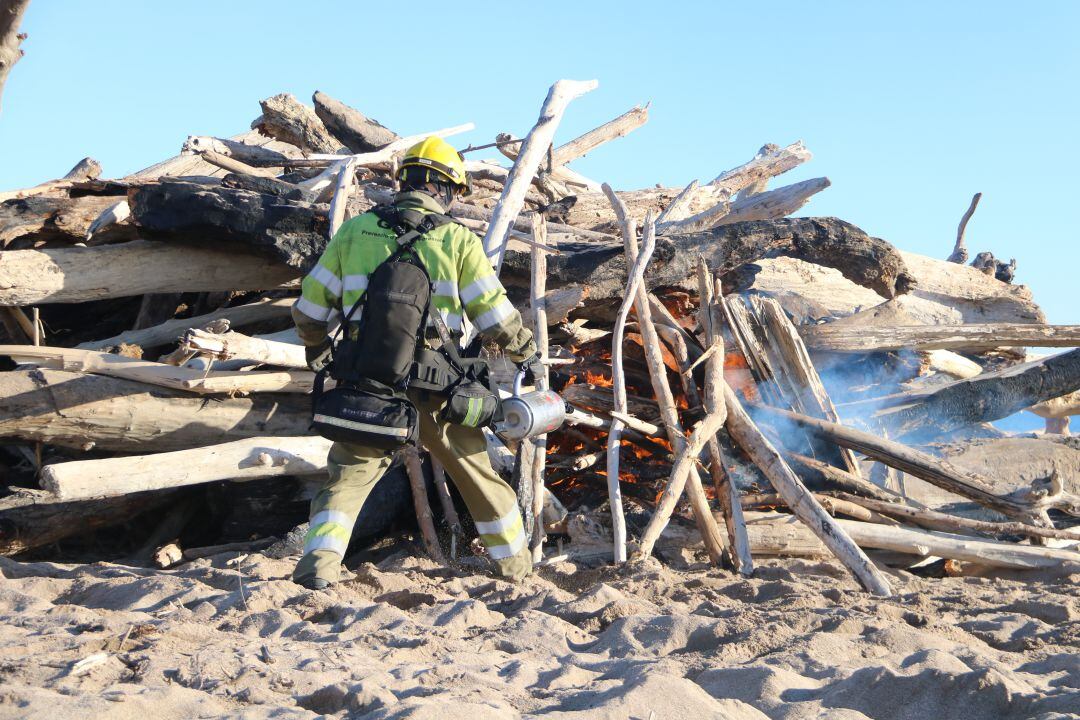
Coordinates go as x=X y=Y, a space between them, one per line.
x=439 y=156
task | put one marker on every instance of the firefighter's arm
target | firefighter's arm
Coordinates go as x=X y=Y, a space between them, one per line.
x=484 y=299
x=319 y=302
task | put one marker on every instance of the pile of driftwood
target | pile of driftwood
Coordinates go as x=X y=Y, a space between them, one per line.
x=800 y=363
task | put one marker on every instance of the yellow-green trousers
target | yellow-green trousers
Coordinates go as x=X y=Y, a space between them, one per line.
x=354 y=470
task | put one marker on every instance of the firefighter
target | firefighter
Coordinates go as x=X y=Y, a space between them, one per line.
x=464 y=286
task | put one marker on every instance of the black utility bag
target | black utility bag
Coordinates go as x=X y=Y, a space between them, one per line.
x=373 y=359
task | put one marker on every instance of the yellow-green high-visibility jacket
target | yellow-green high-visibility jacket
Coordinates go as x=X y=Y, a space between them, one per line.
x=464 y=283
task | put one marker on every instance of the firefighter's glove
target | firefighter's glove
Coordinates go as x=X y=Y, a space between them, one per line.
x=533 y=368
x=318 y=356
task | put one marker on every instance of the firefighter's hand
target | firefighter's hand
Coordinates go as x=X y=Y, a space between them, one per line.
x=533 y=368
x=318 y=356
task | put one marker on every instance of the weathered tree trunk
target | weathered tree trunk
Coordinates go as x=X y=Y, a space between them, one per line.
x=253 y=350
x=82 y=411
x=69 y=275
x=287 y=119
x=613 y=129
x=769 y=162
x=356 y=131
x=970 y=338
x=986 y=397
x=239 y=460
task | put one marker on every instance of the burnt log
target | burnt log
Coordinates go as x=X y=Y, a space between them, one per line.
x=602 y=268
x=49 y=218
x=294 y=233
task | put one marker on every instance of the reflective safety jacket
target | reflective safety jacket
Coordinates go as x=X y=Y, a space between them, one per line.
x=464 y=283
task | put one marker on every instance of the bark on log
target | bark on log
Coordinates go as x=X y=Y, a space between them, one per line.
x=986 y=397
x=172 y=330
x=287 y=119
x=1022 y=506
x=802 y=503
x=33 y=520
x=159 y=374
x=240 y=460
x=293 y=233
x=532 y=152
x=969 y=338
x=352 y=128
x=11 y=13
x=78 y=274
x=81 y=411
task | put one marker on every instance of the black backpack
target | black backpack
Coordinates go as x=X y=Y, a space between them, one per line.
x=373 y=359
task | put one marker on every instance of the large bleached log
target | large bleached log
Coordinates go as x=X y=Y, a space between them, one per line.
x=358 y=132
x=50 y=218
x=979 y=297
x=611 y=130
x=769 y=162
x=32 y=520
x=160 y=374
x=986 y=397
x=799 y=499
x=78 y=274
x=236 y=346
x=11 y=13
x=287 y=119
x=77 y=411
x=1020 y=505
x=240 y=460
x=767 y=528
x=533 y=150
x=970 y=338
x=294 y=233
x=171 y=330
x=833 y=242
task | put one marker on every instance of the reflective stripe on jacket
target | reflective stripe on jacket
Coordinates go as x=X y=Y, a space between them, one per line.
x=464 y=283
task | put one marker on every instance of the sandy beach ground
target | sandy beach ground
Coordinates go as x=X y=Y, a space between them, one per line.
x=407 y=639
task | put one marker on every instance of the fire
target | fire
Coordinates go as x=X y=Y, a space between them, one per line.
x=597 y=379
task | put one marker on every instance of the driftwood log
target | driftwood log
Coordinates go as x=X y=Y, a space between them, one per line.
x=239 y=460
x=92 y=411
x=985 y=397
x=59 y=219
x=356 y=131
x=1024 y=506
x=71 y=275
x=970 y=338
x=287 y=119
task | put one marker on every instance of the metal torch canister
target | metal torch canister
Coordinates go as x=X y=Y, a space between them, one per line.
x=533 y=413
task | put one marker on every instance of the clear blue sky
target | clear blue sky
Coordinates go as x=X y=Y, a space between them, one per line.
x=908 y=107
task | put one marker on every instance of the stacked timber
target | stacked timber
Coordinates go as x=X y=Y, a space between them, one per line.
x=721 y=357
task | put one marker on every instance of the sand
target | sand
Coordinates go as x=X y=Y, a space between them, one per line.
x=407 y=639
